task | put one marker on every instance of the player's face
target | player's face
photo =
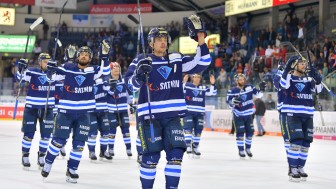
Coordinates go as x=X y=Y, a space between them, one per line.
x=115 y=70
x=84 y=58
x=160 y=44
x=302 y=66
x=196 y=80
x=44 y=63
x=241 y=81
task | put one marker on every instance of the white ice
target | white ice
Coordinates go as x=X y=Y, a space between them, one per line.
x=219 y=166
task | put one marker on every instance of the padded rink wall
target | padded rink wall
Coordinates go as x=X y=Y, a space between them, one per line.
x=220 y=120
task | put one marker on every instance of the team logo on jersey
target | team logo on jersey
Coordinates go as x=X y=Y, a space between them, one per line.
x=164 y=71
x=300 y=86
x=196 y=92
x=61 y=88
x=42 y=79
x=80 y=79
x=95 y=89
x=119 y=88
x=243 y=97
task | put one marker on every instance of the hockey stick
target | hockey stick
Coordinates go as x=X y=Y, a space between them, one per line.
x=151 y=126
x=318 y=102
x=31 y=27
x=57 y=41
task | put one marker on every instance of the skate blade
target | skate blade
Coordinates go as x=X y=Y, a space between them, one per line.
x=291 y=179
x=44 y=179
x=105 y=160
x=26 y=168
x=71 y=180
x=196 y=156
x=304 y=179
x=40 y=168
x=242 y=158
x=93 y=161
x=129 y=157
x=61 y=157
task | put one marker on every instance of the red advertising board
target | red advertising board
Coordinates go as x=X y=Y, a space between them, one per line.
x=21 y=2
x=120 y=8
x=283 y=2
x=6 y=112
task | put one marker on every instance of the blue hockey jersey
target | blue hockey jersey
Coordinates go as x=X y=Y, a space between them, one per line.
x=37 y=88
x=195 y=97
x=119 y=99
x=100 y=91
x=246 y=95
x=299 y=99
x=77 y=95
x=165 y=82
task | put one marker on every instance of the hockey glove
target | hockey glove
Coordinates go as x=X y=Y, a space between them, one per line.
x=262 y=86
x=235 y=101
x=70 y=53
x=22 y=64
x=314 y=74
x=144 y=67
x=195 y=25
x=104 y=50
x=132 y=108
x=291 y=63
x=113 y=84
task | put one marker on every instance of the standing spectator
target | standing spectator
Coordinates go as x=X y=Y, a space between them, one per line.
x=270 y=103
x=259 y=113
x=221 y=79
x=45 y=30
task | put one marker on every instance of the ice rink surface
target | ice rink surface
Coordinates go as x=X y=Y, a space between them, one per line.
x=218 y=168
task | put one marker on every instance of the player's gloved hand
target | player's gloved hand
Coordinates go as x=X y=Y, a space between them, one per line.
x=113 y=84
x=104 y=50
x=195 y=25
x=70 y=53
x=144 y=67
x=262 y=86
x=236 y=101
x=22 y=64
x=52 y=66
x=314 y=74
x=291 y=63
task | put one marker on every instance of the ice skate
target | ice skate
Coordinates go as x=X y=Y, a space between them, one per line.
x=40 y=160
x=242 y=154
x=25 y=161
x=72 y=176
x=45 y=171
x=248 y=152
x=129 y=153
x=294 y=175
x=303 y=174
x=196 y=152
x=93 y=157
x=111 y=151
x=189 y=151
x=105 y=156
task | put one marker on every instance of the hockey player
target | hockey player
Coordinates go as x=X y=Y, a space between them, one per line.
x=99 y=121
x=69 y=57
x=118 y=98
x=195 y=98
x=166 y=103
x=240 y=100
x=298 y=105
x=35 y=107
x=76 y=101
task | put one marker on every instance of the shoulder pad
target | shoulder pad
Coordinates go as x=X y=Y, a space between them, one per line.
x=88 y=69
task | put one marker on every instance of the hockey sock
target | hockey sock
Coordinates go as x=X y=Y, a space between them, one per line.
x=148 y=171
x=127 y=137
x=54 y=149
x=27 y=141
x=303 y=154
x=248 y=141
x=173 y=167
x=138 y=146
x=91 y=142
x=240 y=141
x=103 y=143
x=293 y=154
x=76 y=154
x=43 y=145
